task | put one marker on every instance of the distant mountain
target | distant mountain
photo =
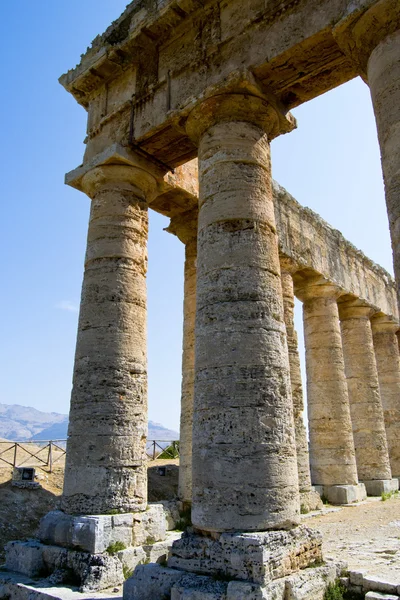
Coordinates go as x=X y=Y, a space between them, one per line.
x=25 y=423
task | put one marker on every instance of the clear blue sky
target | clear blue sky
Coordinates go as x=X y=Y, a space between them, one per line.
x=331 y=164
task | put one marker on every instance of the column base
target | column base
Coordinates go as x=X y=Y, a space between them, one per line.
x=309 y=501
x=342 y=494
x=255 y=566
x=377 y=487
x=92 y=552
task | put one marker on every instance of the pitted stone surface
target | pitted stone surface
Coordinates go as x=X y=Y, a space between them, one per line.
x=195 y=587
x=258 y=558
x=244 y=455
x=332 y=454
x=149 y=526
x=366 y=411
x=151 y=582
x=106 y=450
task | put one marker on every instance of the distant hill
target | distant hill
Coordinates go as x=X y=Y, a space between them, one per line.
x=26 y=423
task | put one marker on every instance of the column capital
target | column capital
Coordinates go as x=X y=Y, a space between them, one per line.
x=184 y=226
x=384 y=324
x=240 y=98
x=117 y=164
x=354 y=309
x=359 y=34
x=316 y=287
x=287 y=265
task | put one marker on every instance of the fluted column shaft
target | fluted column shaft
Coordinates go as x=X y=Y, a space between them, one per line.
x=303 y=458
x=332 y=455
x=106 y=449
x=388 y=364
x=244 y=456
x=365 y=401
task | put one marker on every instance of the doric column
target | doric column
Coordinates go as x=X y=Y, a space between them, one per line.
x=365 y=401
x=332 y=456
x=185 y=228
x=309 y=499
x=106 y=450
x=388 y=364
x=244 y=453
x=373 y=42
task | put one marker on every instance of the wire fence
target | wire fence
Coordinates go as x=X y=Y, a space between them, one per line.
x=44 y=454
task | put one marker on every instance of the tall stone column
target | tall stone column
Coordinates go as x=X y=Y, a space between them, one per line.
x=388 y=364
x=309 y=498
x=332 y=455
x=373 y=43
x=244 y=453
x=106 y=449
x=365 y=401
x=185 y=228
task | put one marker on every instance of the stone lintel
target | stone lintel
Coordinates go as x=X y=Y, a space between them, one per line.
x=255 y=557
x=342 y=494
x=353 y=309
x=360 y=31
x=377 y=487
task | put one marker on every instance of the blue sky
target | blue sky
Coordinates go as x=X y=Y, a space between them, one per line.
x=331 y=164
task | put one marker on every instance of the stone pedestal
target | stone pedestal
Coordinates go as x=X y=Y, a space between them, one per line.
x=388 y=365
x=185 y=228
x=332 y=454
x=365 y=401
x=309 y=498
x=106 y=463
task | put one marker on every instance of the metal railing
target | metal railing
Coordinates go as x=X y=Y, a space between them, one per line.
x=162 y=449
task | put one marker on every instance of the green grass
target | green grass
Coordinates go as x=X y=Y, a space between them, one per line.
x=115 y=548
x=337 y=591
x=388 y=495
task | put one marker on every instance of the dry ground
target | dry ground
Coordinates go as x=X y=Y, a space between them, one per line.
x=367 y=536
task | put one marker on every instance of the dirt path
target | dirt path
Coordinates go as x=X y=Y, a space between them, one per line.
x=367 y=536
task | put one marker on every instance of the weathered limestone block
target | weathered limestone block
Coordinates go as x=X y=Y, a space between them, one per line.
x=149 y=526
x=92 y=572
x=258 y=557
x=310 y=584
x=106 y=466
x=365 y=401
x=159 y=552
x=172 y=509
x=241 y=590
x=151 y=582
x=132 y=557
x=388 y=364
x=25 y=558
x=332 y=454
x=185 y=228
x=195 y=587
x=244 y=455
x=309 y=498
x=92 y=533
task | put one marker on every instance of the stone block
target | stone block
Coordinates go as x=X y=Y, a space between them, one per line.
x=240 y=590
x=310 y=500
x=149 y=526
x=310 y=584
x=379 y=596
x=25 y=558
x=356 y=577
x=377 y=487
x=90 y=533
x=172 y=510
x=160 y=551
x=344 y=494
x=132 y=557
x=195 y=587
x=378 y=584
x=258 y=557
x=151 y=582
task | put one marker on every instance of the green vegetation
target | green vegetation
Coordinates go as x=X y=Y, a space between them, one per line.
x=185 y=520
x=303 y=509
x=171 y=451
x=115 y=548
x=388 y=495
x=127 y=571
x=337 y=591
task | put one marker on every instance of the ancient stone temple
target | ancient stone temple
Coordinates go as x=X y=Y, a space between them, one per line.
x=183 y=99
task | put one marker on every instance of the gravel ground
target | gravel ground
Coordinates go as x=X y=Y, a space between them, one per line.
x=367 y=536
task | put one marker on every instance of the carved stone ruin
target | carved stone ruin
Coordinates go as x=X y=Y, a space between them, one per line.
x=169 y=82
